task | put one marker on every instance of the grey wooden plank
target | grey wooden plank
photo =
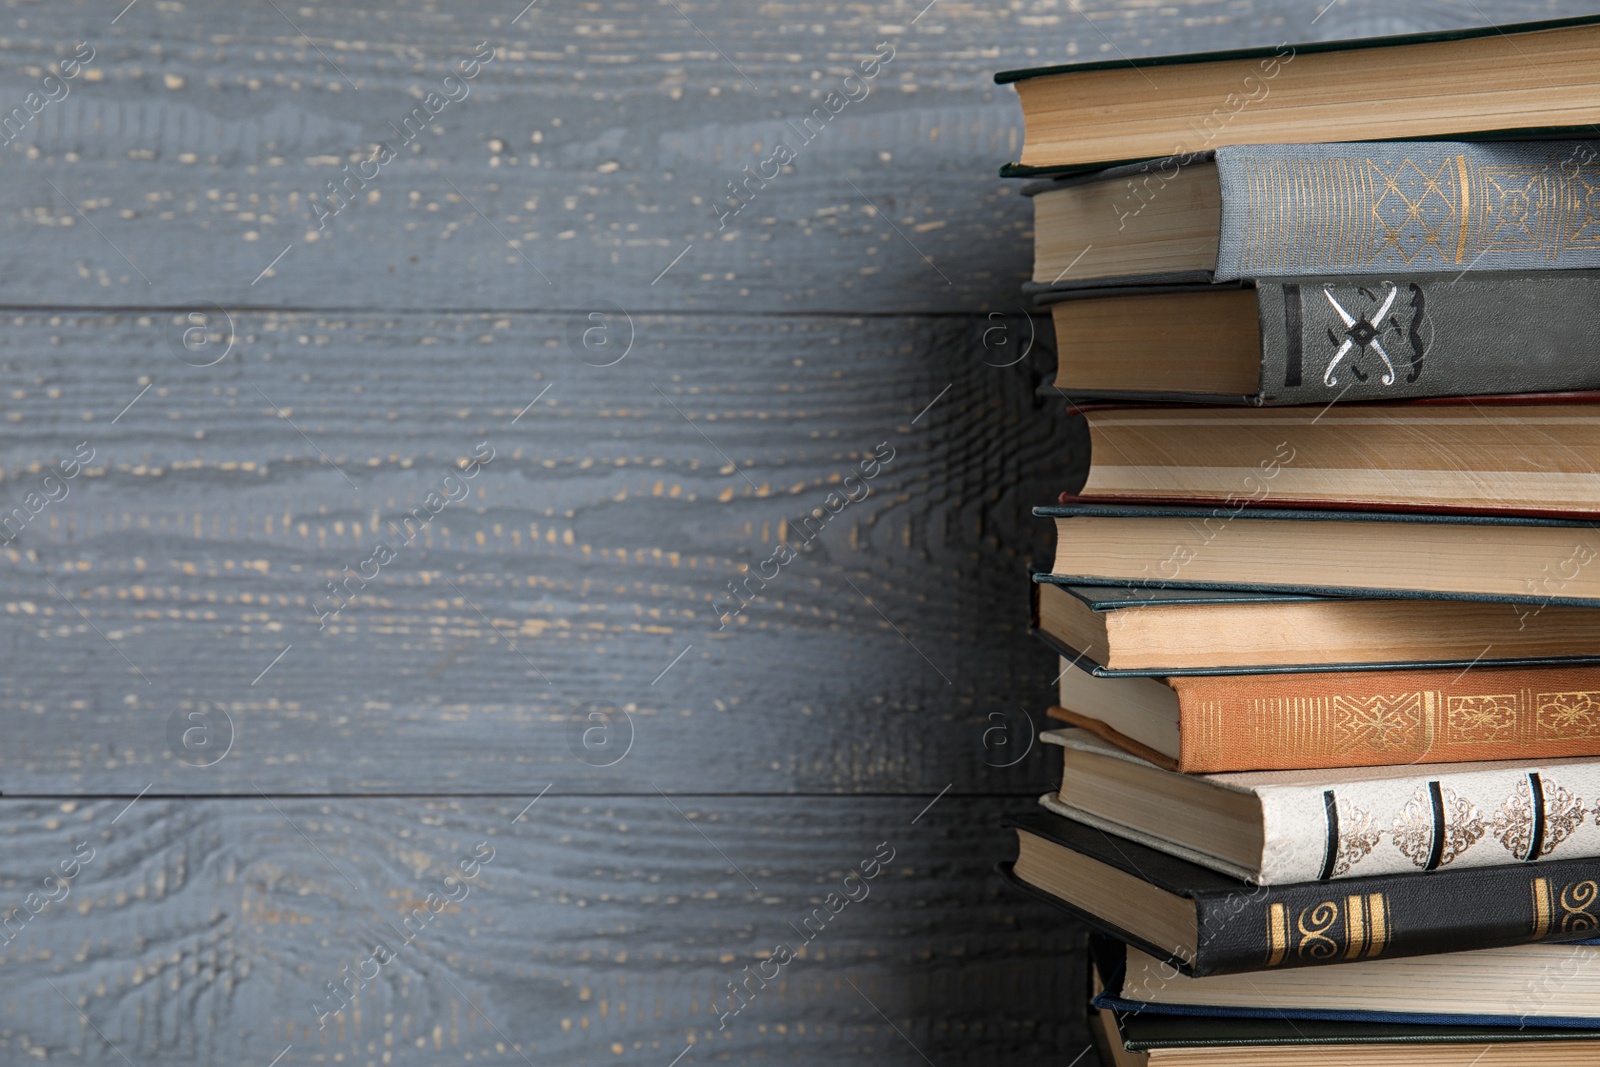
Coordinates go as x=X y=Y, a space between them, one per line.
x=594 y=550
x=203 y=932
x=598 y=139
x=597 y=540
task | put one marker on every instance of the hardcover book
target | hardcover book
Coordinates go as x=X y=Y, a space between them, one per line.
x=1137 y=1034
x=1107 y=1041
x=1325 y=338
x=1284 y=211
x=1207 y=724
x=1525 y=987
x=1112 y=632
x=1276 y=827
x=1163 y=1041
x=1204 y=922
x=1486 y=80
x=1505 y=455
x=1528 y=562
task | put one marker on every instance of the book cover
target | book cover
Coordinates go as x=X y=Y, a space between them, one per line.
x=1110 y=599
x=1322 y=825
x=1561 y=580
x=1142 y=1033
x=1365 y=207
x=1395 y=336
x=1381 y=82
x=1532 y=454
x=1244 y=928
x=1109 y=958
x=1007 y=77
x=1382 y=338
x=1407 y=208
x=1388 y=718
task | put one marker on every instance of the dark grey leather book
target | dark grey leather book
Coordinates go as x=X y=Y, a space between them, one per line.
x=1317 y=340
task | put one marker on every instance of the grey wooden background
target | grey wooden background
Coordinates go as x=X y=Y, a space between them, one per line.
x=265 y=798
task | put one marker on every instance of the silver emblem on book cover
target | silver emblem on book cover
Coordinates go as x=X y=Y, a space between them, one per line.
x=1365 y=331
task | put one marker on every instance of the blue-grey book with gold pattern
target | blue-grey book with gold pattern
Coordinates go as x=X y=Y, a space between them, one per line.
x=1409 y=207
x=1293 y=210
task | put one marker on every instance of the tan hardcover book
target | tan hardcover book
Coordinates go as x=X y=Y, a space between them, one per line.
x=1524 y=984
x=1505 y=454
x=1173 y=631
x=1529 y=561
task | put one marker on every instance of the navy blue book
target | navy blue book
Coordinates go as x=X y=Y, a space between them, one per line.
x=1531 y=988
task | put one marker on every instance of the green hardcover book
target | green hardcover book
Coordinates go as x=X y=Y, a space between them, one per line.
x=1111 y=632
x=1492 y=81
x=1527 y=562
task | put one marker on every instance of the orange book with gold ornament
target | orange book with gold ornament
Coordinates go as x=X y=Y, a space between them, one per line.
x=1253 y=722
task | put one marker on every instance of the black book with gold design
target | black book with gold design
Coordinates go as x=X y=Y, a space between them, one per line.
x=1203 y=922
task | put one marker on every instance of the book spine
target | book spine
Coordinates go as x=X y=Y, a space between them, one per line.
x=1396 y=337
x=1407 y=208
x=1269 y=722
x=1306 y=925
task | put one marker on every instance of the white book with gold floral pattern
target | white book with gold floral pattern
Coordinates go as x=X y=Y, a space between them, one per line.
x=1270 y=827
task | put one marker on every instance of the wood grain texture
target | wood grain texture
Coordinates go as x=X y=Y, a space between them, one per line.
x=203 y=932
x=859 y=298
x=598 y=141
x=594 y=548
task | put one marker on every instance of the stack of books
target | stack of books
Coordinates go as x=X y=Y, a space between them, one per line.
x=1327 y=595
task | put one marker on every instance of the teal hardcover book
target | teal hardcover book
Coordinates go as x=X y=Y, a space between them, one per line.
x=1491 y=82
x=1527 y=562
x=1168 y=632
